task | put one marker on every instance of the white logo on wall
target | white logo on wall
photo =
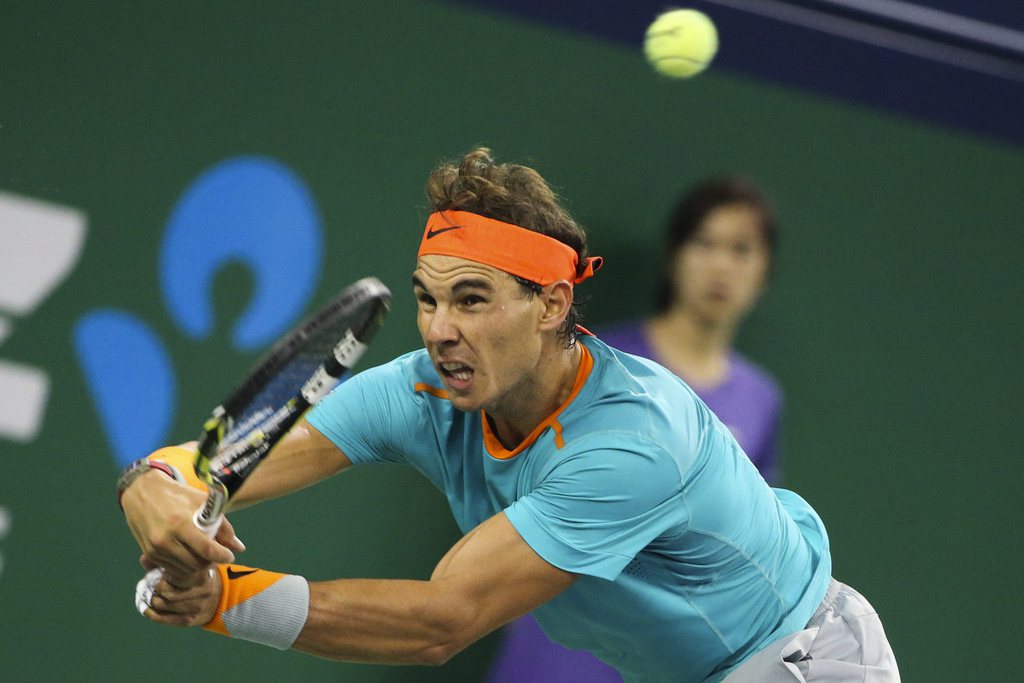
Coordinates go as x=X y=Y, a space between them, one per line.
x=39 y=245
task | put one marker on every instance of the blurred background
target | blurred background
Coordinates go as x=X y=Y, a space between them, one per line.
x=180 y=182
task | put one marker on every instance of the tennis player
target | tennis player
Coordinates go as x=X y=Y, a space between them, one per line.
x=718 y=252
x=593 y=487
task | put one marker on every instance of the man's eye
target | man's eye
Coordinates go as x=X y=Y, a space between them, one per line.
x=473 y=300
x=426 y=299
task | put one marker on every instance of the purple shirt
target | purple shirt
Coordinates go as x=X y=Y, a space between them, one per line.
x=749 y=402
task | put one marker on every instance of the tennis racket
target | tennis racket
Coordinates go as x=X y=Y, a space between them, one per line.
x=299 y=370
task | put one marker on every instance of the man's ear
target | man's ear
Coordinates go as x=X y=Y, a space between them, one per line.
x=557 y=300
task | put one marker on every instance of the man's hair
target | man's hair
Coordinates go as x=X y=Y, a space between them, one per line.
x=695 y=206
x=513 y=194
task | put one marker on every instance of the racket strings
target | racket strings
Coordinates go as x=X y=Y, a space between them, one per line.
x=296 y=373
x=288 y=380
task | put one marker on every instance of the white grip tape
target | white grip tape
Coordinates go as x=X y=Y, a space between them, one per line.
x=349 y=350
x=318 y=386
x=144 y=590
x=210 y=529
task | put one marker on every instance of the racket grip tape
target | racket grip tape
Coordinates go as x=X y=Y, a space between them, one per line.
x=260 y=606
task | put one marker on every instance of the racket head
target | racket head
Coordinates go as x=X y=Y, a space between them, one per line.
x=298 y=370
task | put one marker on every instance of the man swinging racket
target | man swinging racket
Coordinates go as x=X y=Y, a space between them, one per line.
x=593 y=487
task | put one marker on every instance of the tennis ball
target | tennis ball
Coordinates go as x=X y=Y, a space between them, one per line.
x=681 y=43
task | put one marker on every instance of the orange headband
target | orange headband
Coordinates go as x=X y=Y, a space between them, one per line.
x=528 y=254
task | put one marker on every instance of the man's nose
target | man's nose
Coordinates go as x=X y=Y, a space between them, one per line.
x=442 y=327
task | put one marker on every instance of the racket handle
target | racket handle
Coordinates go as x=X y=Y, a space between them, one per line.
x=208 y=518
x=144 y=590
x=209 y=528
x=145 y=587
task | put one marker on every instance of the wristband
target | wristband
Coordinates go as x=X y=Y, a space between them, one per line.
x=182 y=462
x=260 y=606
x=174 y=461
x=136 y=470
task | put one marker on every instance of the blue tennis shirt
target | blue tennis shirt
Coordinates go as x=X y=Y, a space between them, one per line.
x=688 y=561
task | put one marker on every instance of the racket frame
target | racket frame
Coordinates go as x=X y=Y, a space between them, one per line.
x=225 y=469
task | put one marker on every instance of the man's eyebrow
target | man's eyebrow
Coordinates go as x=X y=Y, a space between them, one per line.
x=462 y=285
x=472 y=284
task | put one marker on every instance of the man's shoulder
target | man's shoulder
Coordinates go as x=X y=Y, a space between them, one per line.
x=406 y=377
x=413 y=366
x=636 y=398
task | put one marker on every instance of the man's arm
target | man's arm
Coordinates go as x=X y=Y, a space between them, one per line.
x=488 y=578
x=159 y=510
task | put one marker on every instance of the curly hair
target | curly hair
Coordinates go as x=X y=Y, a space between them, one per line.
x=514 y=194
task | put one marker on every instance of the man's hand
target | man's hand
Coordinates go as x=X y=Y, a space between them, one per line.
x=159 y=513
x=190 y=604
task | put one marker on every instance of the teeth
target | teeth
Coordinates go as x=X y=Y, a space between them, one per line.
x=457 y=370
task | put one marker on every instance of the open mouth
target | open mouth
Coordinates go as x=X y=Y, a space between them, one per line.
x=458 y=375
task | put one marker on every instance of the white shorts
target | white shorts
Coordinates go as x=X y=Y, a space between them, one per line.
x=844 y=642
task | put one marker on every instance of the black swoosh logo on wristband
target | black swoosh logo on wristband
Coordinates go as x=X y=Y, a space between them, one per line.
x=434 y=232
x=237 y=574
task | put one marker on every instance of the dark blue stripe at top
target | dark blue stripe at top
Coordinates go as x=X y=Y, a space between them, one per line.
x=954 y=63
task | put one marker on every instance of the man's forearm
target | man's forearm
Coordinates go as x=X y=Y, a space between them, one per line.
x=302 y=458
x=389 y=621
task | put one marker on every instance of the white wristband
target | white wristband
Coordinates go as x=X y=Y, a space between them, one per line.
x=273 y=617
x=260 y=606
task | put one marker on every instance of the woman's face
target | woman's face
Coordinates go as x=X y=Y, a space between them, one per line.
x=720 y=271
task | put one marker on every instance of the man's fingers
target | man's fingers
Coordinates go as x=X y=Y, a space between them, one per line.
x=227 y=538
x=190 y=607
x=179 y=583
x=204 y=549
x=216 y=553
x=190 y=552
x=178 y=605
x=176 y=557
x=170 y=618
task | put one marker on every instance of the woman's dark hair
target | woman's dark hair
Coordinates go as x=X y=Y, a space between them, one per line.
x=513 y=194
x=691 y=211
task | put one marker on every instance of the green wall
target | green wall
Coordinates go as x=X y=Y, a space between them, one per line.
x=893 y=321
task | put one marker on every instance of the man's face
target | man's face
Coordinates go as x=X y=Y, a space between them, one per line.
x=481 y=330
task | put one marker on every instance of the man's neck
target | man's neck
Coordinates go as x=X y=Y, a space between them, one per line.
x=547 y=388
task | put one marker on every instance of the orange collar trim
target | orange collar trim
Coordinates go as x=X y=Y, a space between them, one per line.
x=519 y=251
x=430 y=389
x=493 y=444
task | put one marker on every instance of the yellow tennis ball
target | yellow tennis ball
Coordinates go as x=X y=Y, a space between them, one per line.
x=681 y=43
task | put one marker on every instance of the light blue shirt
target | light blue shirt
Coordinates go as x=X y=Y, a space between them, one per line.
x=689 y=561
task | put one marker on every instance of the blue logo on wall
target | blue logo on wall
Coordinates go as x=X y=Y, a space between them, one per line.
x=251 y=211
